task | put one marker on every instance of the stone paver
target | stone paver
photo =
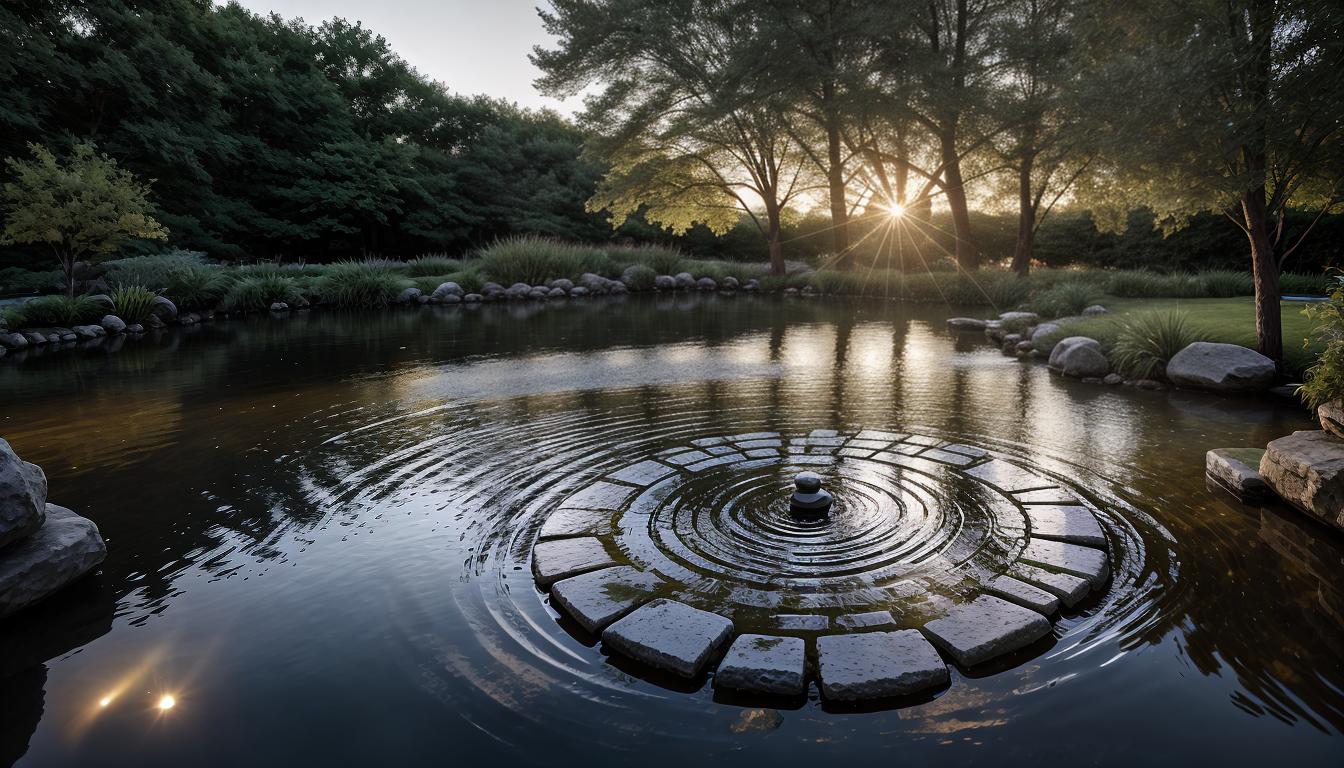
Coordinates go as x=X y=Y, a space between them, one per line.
x=1070 y=558
x=576 y=522
x=597 y=598
x=1008 y=477
x=561 y=558
x=877 y=665
x=1070 y=590
x=803 y=622
x=866 y=620
x=600 y=495
x=1073 y=524
x=984 y=628
x=669 y=635
x=763 y=664
x=644 y=473
x=1017 y=591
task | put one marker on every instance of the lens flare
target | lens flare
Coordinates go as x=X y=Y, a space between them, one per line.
x=167 y=702
x=895 y=210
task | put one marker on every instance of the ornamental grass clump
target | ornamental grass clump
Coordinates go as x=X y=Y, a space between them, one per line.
x=534 y=260
x=134 y=303
x=360 y=284
x=1325 y=379
x=154 y=271
x=1146 y=342
x=1063 y=300
x=639 y=277
x=197 y=288
x=432 y=264
x=257 y=292
x=63 y=311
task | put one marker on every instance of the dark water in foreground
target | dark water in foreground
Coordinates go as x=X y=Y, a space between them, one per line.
x=319 y=533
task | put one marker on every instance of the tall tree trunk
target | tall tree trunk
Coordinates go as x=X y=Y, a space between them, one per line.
x=1265 y=268
x=835 y=178
x=1026 y=217
x=772 y=235
x=954 y=187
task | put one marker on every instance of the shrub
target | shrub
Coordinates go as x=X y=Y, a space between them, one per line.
x=1063 y=300
x=54 y=310
x=257 y=292
x=360 y=284
x=194 y=289
x=133 y=302
x=1325 y=379
x=663 y=261
x=19 y=280
x=1135 y=284
x=426 y=266
x=639 y=277
x=534 y=260
x=1292 y=283
x=154 y=271
x=1226 y=283
x=1145 y=342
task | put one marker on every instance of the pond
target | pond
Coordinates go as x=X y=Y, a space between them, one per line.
x=320 y=531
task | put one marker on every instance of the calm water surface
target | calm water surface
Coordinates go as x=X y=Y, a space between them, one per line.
x=319 y=531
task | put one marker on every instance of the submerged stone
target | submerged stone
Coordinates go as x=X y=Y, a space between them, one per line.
x=866 y=620
x=562 y=558
x=763 y=664
x=1071 y=590
x=1017 y=591
x=878 y=665
x=1066 y=523
x=1070 y=558
x=1237 y=470
x=984 y=628
x=669 y=635
x=597 y=598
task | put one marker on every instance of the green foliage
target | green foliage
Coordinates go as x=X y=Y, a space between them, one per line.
x=254 y=293
x=663 y=261
x=426 y=266
x=18 y=280
x=534 y=260
x=61 y=311
x=1145 y=342
x=1063 y=300
x=198 y=288
x=155 y=270
x=133 y=303
x=360 y=284
x=639 y=277
x=1225 y=283
x=1325 y=379
x=1293 y=284
x=84 y=206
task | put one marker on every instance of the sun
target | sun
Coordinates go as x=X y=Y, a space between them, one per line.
x=895 y=210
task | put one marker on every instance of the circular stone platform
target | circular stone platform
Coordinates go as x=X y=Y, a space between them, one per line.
x=931 y=551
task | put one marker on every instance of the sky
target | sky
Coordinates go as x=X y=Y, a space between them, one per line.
x=472 y=46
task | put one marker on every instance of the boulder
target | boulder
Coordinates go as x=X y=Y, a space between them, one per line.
x=1094 y=310
x=1113 y=378
x=706 y=284
x=89 y=331
x=154 y=321
x=135 y=328
x=965 y=324
x=1039 y=334
x=473 y=298
x=1220 y=368
x=665 y=283
x=103 y=300
x=65 y=548
x=1331 y=416
x=279 y=306
x=163 y=308
x=752 y=285
x=13 y=340
x=593 y=282
x=1079 y=356
x=518 y=291
x=1306 y=469
x=23 y=496
x=1237 y=470
x=563 y=284
x=539 y=294
x=1019 y=319
x=557 y=293
x=617 y=287
x=409 y=296
x=729 y=283
x=578 y=291
x=685 y=281
x=446 y=289
x=33 y=337
x=452 y=298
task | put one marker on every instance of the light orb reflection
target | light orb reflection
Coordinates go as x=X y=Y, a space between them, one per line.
x=167 y=702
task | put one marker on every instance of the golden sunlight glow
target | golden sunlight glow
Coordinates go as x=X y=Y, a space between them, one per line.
x=895 y=210
x=103 y=702
x=167 y=702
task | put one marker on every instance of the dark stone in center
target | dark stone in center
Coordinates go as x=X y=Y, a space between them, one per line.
x=808 y=497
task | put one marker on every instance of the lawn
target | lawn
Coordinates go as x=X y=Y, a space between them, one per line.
x=1226 y=320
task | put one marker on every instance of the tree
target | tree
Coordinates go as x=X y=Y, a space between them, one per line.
x=83 y=207
x=681 y=120
x=1234 y=106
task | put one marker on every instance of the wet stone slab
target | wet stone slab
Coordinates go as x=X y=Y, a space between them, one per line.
x=868 y=620
x=802 y=622
x=1070 y=590
x=763 y=664
x=600 y=495
x=1072 y=524
x=597 y=598
x=878 y=665
x=671 y=636
x=984 y=628
x=562 y=558
x=687 y=457
x=947 y=457
x=878 y=435
x=576 y=522
x=1017 y=591
x=1008 y=477
x=643 y=474
x=715 y=462
x=1045 y=496
x=1073 y=559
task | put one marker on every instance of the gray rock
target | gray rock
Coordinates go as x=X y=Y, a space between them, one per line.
x=65 y=548
x=1237 y=470
x=729 y=283
x=985 y=628
x=23 y=497
x=69 y=336
x=1148 y=384
x=35 y=338
x=104 y=301
x=135 y=328
x=763 y=664
x=540 y=293
x=1220 y=368
x=492 y=287
x=1080 y=357
x=803 y=622
x=473 y=298
x=1025 y=346
x=557 y=293
x=664 y=283
x=1112 y=379
x=670 y=636
x=593 y=282
x=518 y=291
x=597 y=598
x=452 y=298
x=89 y=331
x=1069 y=523
x=1094 y=310
x=578 y=291
x=1022 y=319
x=162 y=308
x=562 y=283
x=447 y=289
x=965 y=324
x=563 y=558
x=878 y=665
x=616 y=287
x=1074 y=559
x=1017 y=591
x=752 y=285
x=1070 y=590
x=279 y=306
x=684 y=280
x=643 y=474
x=706 y=284
x=408 y=296
x=1039 y=333
x=1307 y=470
x=13 y=340
x=1331 y=416
x=867 y=620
